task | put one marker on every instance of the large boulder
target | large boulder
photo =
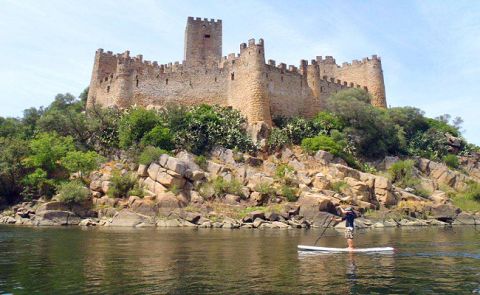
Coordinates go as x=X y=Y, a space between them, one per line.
x=169 y=180
x=311 y=204
x=56 y=217
x=439 y=197
x=80 y=209
x=176 y=165
x=127 y=218
x=444 y=212
x=323 y=157
x=145 y=207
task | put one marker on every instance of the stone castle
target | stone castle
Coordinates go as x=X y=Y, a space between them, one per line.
x=245 y=81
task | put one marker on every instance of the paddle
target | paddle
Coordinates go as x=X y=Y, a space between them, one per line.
x=325 y=228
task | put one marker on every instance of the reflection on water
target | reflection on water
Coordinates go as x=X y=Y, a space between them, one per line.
x=186 y=261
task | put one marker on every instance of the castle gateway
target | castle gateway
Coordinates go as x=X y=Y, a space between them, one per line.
x=259 y=89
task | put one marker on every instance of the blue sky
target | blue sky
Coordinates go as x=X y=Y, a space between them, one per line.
x=429 y=49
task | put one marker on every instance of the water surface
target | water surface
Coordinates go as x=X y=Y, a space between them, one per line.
x=215 y=261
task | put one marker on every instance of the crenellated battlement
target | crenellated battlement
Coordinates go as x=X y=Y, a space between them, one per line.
x=259 y=88
x=206 y=21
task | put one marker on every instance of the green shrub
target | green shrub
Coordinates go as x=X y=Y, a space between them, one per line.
x=289 y=193
x=222 y=186
x=339 y=186
x=370 y=129
x=121 y=184
x=265 y=189
x=282 y=170
x=160 y=137
x=324 y=122
x=277 y=139
x=201 y=161
x=203 y=127
x=83 y=162
x=150 y=154
x=135 y=124
x=472 y=191
x=451 y=161
x=72 y=192
x=422 y=192
x=47 y=149
x=38 y=184
x=136 y=191
x=175 y=189
x=321 y=142
x=431 y=144
x=401 y=173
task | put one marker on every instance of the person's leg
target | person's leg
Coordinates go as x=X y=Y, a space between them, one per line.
x=350 y=243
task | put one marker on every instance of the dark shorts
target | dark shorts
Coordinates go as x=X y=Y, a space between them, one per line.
x=349 y=233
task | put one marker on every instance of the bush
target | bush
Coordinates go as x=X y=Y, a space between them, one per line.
x=201 y=161
x=324 y=122
x=369 y=128
x=121 y=184
x=47 y=149
x=282 y=170
x=401 y=173
x=473 y=191
x=135 y=124
x=265 y=189
x=203 y=127
x=83 y=162
x=160 y=137
x=222 y=187
x=431 y=144
x=136 y=191
x=150 y=154
x=451 y=161
x=277 y=139
x=322 y=142
x=289 y=193
x=72 y=192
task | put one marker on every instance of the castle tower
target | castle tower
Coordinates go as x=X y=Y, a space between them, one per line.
x=203 y=42
x=313 y=81
x=124 y=85
x=247 y=89
x=375 y=82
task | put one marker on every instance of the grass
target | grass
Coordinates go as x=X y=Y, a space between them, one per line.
x=282 y=170
x=289 y=193
x=466 y=203
x=265 y=188
x=339 y=186
x=201 y=161
x=401 y=173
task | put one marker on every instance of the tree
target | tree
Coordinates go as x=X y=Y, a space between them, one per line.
x=47 y=149
x=370 y=129
x=82 y=162
x=12 y=153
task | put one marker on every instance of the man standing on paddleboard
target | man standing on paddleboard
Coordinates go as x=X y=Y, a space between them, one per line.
x=349 y=217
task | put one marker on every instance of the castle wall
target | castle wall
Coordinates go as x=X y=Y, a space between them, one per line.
x=244 y=81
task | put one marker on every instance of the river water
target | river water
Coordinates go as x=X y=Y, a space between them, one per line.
x=215 y=261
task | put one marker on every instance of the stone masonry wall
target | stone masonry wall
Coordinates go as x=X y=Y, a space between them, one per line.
x=245 y=81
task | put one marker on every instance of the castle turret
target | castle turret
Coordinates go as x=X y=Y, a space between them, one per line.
x=123 y=97
x=375 y=83
x=248 y=85
x=203 y=42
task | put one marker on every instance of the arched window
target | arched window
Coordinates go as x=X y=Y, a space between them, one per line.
x=108 y=89
x=232 y=76
x=166 y=81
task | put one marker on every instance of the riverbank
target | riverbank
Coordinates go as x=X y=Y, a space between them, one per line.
x=287 y=189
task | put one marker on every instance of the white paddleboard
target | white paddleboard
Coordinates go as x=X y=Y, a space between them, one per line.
x=327 y=249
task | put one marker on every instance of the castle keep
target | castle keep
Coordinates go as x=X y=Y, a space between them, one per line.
x=259 y=89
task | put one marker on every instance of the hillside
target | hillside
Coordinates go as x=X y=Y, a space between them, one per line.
x=205 y=166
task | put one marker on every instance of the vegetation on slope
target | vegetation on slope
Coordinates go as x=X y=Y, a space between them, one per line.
x=40 y=151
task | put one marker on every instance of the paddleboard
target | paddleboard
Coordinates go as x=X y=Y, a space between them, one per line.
x=327 y=249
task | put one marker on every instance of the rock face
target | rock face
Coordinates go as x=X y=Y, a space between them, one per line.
x=56 y=217
x=127 y=218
